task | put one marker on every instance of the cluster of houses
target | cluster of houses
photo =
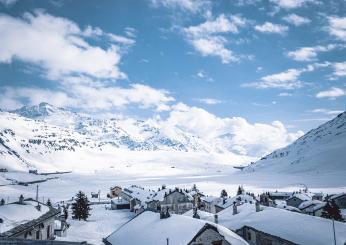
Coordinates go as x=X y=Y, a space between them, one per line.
x=285 y=218
x=187 y=216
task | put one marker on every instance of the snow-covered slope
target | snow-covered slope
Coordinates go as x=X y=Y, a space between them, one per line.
x=51 y=138
x=321 y=150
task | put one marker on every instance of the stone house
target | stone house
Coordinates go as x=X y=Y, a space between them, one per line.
x=154 y=228
x=257 y=237
x=115 y=191
x=37 y=221
x=297 y=198
x=176 y=201
x=340 y=200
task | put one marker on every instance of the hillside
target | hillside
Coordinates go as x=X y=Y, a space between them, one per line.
x=51 y=138
x=321 y=150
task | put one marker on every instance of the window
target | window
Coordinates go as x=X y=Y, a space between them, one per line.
x=37 y=235
x=248 y=235
x=217 y=242
x=48 y=231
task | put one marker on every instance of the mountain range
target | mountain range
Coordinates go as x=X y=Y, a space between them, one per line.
x=47 y=137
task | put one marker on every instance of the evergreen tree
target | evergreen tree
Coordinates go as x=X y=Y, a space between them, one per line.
x=2 y=202
x=65 y=209
x=81 y=207
x=224 y=194
x=240 y=190
x=49 y=204
x=332 y=211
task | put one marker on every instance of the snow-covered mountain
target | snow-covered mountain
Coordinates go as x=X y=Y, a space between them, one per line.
x=321 y=150
x=45 y=136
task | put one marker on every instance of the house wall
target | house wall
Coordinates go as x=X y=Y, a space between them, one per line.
x=341 y=201
x=208 y=237
x=255 y=237
x=42 y=232
x=177 y=203
x=294 y=202
x=115 y=192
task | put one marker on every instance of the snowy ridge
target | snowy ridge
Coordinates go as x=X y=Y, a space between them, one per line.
x=50 y=138
x=321 y=149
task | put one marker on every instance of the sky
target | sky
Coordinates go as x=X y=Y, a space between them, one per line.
x=200 y=64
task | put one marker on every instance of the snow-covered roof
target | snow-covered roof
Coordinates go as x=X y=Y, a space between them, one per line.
x=309 y=203
x=280 y=193
x=148 y=228
x=229 y=201
x=202 y=214
x=301 y=196
x=159 y=195
x=292 y=226
x=140 y=193
x=211 y=199
x=338 y=195
x=119 y=201
x=15 y=214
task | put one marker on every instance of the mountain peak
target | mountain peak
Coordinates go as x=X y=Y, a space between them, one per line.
x=35 y=111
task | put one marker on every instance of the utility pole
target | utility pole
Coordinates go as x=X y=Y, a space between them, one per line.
x=334 y=232
x=36 y=193
x=167 y=239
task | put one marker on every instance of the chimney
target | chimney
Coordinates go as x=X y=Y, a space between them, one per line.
x=216 y=219
x=21 y=199
x=195 y=214
x=235 y=211
x=258 y=207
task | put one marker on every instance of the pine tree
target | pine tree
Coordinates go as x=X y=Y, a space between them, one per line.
x=240 y=190
x=81 y=207
x=223 y=193
x=2 y=202
x=65 y=210
x=332 y=211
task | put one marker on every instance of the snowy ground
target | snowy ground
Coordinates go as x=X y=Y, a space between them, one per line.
x=209 y=180
x=100 y=224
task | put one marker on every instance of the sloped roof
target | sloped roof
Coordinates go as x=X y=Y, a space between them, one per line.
x=20 y=217
x=292 y=226
x=148 y=228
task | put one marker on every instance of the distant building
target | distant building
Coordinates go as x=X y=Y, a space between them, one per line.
x=115 y=191
x=28 y=219
x=340 y=200
x=297 y=198
x=153 y=228
x=119 y=203
x=177 y=201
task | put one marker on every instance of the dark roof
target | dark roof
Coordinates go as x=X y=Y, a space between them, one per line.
x=17 y=241
x=29 y=225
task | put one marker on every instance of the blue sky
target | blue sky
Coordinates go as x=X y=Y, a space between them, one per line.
x=262 y=61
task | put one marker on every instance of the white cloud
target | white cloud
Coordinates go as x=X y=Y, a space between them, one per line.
x=57 y=45
x=249 y=139
x=203 y=75
x=296 y=20
x=337 y=27
x=309 y=53
x=207 y=38
x=269 y=27
x=88 y=98
x=209 y=101
x=291 y=4
x=186 y=5
x=327 y=112
x=285 y=94
x=339 y=69
x=332 y=93
x=285 y=80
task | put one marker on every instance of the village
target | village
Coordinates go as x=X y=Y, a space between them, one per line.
x=173 y=215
